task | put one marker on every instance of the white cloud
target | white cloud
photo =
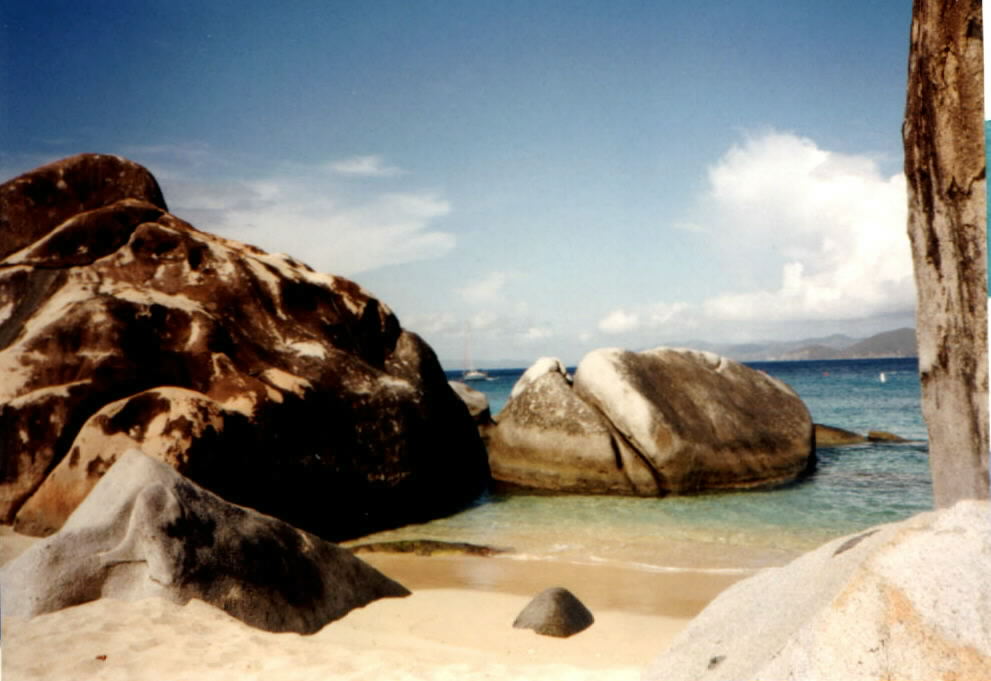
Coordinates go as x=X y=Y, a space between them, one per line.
x=184 y=153
x=485 y=320
x=299 y=210
x=659 y=315
x=535 y=333
x=433 y=324
x=830 y=223
x=687 y=226
x=808 y=237
x=488 y=289
x=619 y=321
x=364 y=166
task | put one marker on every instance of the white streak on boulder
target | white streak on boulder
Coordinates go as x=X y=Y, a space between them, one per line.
x=542 y=366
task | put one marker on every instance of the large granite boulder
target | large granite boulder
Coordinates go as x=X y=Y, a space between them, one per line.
x=698 y=420
x=146 y=531
x=903 y=601
x=278 y=387
x=547 y=437
x=650 y=423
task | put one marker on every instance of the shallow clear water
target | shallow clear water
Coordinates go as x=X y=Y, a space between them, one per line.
x=853 y=487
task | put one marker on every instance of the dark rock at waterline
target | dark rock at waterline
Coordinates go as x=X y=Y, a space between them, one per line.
x=884 y=436
x=651 y=423
x=426 y=547
x=146 y=531
x=555 y=612
x=280 y=388
x=830 y=436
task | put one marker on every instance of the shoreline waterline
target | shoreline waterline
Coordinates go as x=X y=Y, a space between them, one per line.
x=851 y=488
x=681 y=593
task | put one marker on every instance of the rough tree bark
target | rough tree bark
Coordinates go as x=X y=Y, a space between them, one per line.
x=945 y=167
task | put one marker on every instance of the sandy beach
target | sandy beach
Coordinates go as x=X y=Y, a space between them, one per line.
x=456 y=625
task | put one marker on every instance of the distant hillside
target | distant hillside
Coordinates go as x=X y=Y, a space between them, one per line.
x=897 y=343
x=770 y=350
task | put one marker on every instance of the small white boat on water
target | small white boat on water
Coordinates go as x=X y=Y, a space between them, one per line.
x=470 y=373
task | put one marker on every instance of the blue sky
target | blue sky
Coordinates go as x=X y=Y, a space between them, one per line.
x=555 y=176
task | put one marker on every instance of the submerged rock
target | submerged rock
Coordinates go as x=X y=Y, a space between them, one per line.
x=278 y=387
x=145 y=531
x=650 y=423
x=555 y=612
x=427 y=547
x=884 y=436
x=902 y=601
x=831 y=436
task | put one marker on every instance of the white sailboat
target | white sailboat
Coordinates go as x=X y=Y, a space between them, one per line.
x=470 y=373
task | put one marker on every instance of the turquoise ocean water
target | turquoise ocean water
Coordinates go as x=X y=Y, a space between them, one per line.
x=853 y=487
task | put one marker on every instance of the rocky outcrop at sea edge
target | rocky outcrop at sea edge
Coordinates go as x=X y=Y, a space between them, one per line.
x=662 y=421
x=146 y=531
x=476 y=401
x=831 y=436
x=280 y=388
x=901 y=601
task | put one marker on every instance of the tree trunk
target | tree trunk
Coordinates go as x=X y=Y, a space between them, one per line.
x=945 y=167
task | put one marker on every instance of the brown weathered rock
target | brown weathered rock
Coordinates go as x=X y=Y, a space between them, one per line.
x=33 y=204
x=549 y=438
x=699 y=421
x=280 y=388
x=174 y=425
x=945 y=167
x=830 y=436
x=884 y=436
x=146 y=531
